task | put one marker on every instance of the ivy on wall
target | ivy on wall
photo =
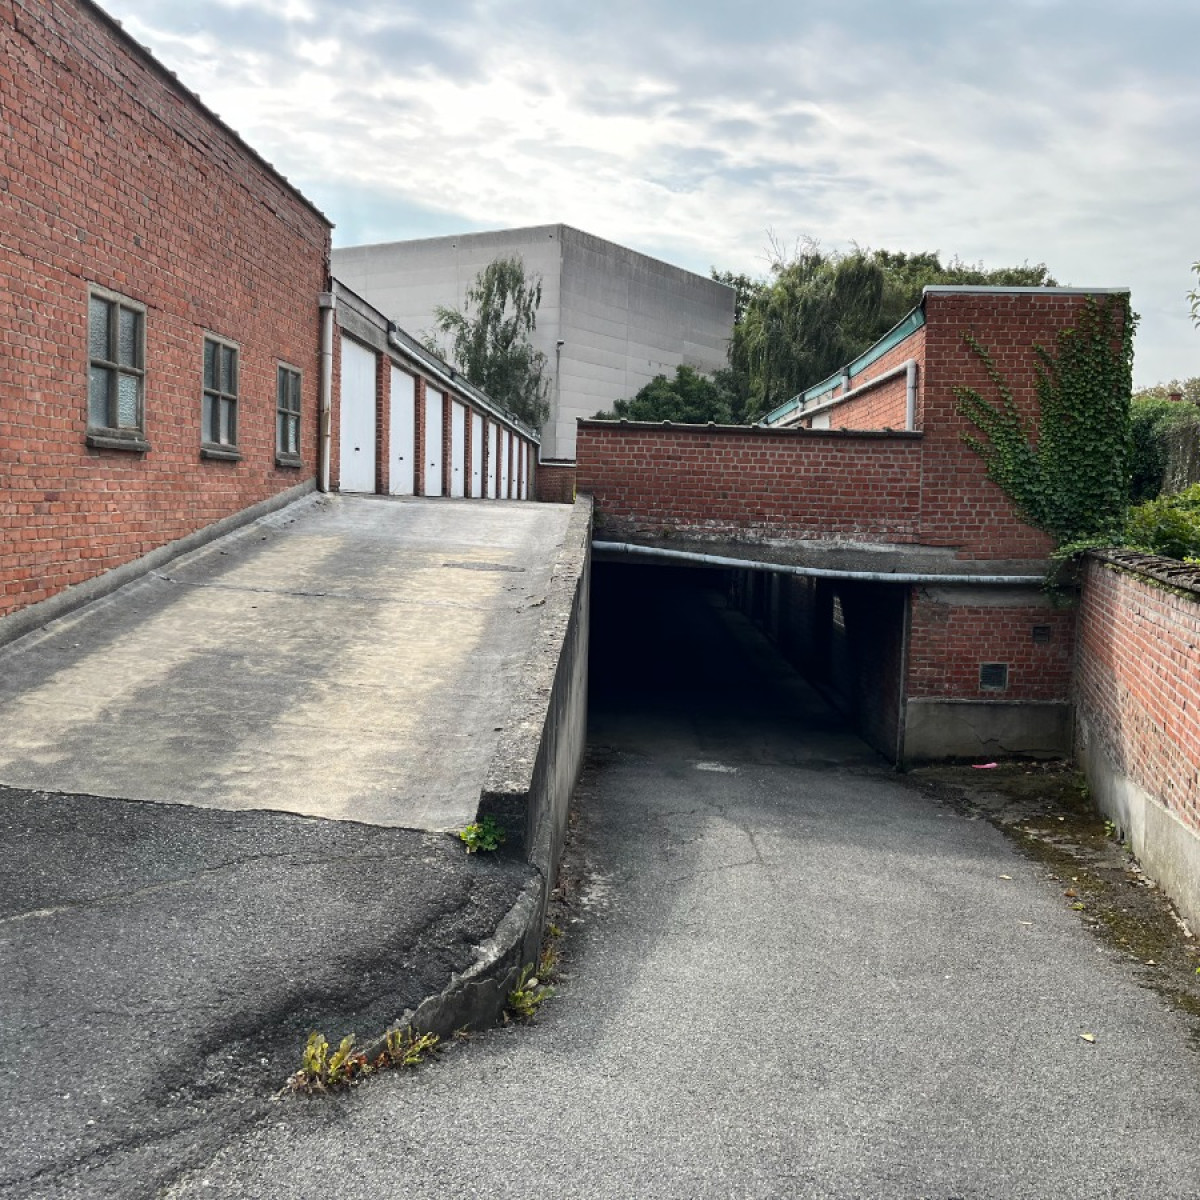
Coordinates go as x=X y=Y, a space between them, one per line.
x=1067 y=472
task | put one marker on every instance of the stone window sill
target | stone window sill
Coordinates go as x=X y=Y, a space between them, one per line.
x=221 y=453
x=110 y=440
x=291 y=461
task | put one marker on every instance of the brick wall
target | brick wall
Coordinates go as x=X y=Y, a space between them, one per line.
x=961 y=507
x=555 y=482
x=950 y=637
x=884 y=406
x=1137 y=680
x=749 y=484
x=115 y=176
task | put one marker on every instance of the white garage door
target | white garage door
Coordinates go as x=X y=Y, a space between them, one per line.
x=402 y=448
x=433 y=442
x=356 y=429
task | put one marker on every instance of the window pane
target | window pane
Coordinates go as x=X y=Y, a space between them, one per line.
x=281 y=388
x=128 y=387
x=210 y=364
x=295 y=376
x=228 y=370
x=293 y=435
x=208 y=421
x=128 y=350
x=280 y=432
x=98 y=329
x=227 y=430
x=98 y=378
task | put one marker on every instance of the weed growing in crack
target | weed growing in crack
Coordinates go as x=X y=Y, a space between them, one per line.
x=321 y=1071
x=527 y=997
x=484 y=834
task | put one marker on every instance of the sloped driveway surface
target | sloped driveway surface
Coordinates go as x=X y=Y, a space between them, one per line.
x=223 y=797
x=790 y=975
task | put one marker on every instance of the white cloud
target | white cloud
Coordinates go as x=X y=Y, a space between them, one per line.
x=999 y=134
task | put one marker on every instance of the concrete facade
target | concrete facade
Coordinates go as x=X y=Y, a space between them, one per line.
x=610 y=320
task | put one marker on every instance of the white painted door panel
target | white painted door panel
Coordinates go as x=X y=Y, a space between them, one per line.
x=433 y=442
x=505 y=474
x=356 y=426
x=402 y=449
x=458 y=449
x=493 y=463
x=476 y=455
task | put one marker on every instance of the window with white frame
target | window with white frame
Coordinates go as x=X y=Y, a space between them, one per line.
x=219 y=414
x=116 y=371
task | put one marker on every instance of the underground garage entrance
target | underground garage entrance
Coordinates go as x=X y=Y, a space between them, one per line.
x=785 y=666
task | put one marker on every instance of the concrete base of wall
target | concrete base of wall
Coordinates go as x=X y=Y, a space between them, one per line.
x=34 y=616
x=985 y=729
x=1167 y=850
x=534 y=770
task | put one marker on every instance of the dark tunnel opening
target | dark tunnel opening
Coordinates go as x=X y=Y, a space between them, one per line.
x=714 y=650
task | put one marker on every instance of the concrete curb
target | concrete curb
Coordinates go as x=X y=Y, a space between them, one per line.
x=474 y=998
x=34 y=616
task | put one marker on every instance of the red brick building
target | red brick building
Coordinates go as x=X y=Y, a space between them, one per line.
x=901 y=575
x=159 y=310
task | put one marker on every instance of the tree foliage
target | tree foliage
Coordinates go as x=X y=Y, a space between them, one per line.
x=489 y=339
x=688 y=399
x=1068 y=472
x=819 y=310
x=1158 y=430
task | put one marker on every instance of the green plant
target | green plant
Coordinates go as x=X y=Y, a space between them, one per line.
x=1066 y=474
x=320 y=1071
x=1159 y=430
x=528 y=996
x=406 y=1048
x=484 y=834
x=1167 y=525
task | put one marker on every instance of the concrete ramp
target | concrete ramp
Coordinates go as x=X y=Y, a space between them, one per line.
x=347 y=657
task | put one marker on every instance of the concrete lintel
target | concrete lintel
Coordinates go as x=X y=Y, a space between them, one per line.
x=882 y=564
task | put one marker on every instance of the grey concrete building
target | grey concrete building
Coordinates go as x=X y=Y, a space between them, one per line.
x=610 y=319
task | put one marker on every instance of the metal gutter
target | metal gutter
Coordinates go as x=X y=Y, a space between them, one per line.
x=750 y=564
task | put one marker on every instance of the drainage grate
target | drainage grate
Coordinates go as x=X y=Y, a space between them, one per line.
x=485 y=566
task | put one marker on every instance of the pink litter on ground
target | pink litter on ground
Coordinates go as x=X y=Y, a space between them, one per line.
x=984 y=766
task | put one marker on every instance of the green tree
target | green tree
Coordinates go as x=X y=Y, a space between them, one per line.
x=489 y=339
x=1165 y=435
x=688 y=399
x=819 y=310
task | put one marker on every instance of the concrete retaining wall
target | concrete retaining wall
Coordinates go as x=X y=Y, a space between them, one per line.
x=536 y=765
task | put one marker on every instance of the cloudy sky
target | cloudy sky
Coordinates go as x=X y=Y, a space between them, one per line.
x=1056 y=131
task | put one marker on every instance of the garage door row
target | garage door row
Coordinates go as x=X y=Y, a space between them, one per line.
x=402 y=433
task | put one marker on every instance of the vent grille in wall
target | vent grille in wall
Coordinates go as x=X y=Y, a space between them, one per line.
x=993 y=677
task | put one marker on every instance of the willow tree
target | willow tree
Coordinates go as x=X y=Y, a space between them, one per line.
x=489 y=339
x=820 y=310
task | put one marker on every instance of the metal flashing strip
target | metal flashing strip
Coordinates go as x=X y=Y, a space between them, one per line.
x=935 y=289
x=904 y=328
x=751 y=564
